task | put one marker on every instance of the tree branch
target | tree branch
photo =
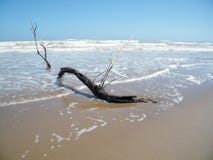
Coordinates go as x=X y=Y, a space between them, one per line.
x=34 y=31
x=99 y=91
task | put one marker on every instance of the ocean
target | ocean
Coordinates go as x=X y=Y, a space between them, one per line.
x=160 y=70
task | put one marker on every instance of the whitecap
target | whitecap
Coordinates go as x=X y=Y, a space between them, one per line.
x=150 y=76
x=194 y=79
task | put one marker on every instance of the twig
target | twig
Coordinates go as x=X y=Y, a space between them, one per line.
x=45 y=50
x=98 y=75
x=106 y=73
x=34 y=31
x=109 y=83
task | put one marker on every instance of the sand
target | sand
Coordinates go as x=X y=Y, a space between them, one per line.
x=78 y=128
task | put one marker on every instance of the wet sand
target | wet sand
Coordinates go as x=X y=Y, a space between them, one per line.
x=75 y=127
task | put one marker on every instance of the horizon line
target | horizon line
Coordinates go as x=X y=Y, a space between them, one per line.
x=85 y=39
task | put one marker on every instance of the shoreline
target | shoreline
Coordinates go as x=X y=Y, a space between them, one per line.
x=75 y=127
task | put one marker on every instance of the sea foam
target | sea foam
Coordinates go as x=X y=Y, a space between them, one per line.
x=97 y=45
x=165 y=63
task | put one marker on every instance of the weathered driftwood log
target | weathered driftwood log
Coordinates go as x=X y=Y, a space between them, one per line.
x=98 y=90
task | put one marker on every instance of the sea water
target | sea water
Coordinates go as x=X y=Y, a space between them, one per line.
x=158 y=69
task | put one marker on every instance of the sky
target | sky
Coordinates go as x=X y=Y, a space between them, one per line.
x=150 y=20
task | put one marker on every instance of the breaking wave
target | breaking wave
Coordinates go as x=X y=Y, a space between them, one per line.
x=23 y=79
x=106 y=45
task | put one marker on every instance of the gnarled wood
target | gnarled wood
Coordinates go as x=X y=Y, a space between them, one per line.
x=98 y=90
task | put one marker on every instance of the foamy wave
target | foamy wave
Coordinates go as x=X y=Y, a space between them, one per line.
x=21 y=101
x=103 y=123
x=103 y=45
x=34 y=99
x=194 y=80
x=85 y=130
x=150 y=76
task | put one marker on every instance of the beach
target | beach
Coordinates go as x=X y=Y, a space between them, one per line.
x=106 y=80
x=41 y=118
x=44 y=129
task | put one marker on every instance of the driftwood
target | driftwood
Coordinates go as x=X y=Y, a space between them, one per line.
x=34 y=31
x=99 y=91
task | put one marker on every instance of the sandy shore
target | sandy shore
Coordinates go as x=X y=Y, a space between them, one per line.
x=75 y=127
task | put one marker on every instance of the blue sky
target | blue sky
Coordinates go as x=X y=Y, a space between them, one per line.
x=177 y=20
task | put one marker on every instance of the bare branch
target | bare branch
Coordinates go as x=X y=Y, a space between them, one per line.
x=106 y=73
x=45 y=50
x=109 y=83
x=34 y=31
x=98 y=75
x=34 y=28
x=48 y=44
x=109 y=68
x=99 y=91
